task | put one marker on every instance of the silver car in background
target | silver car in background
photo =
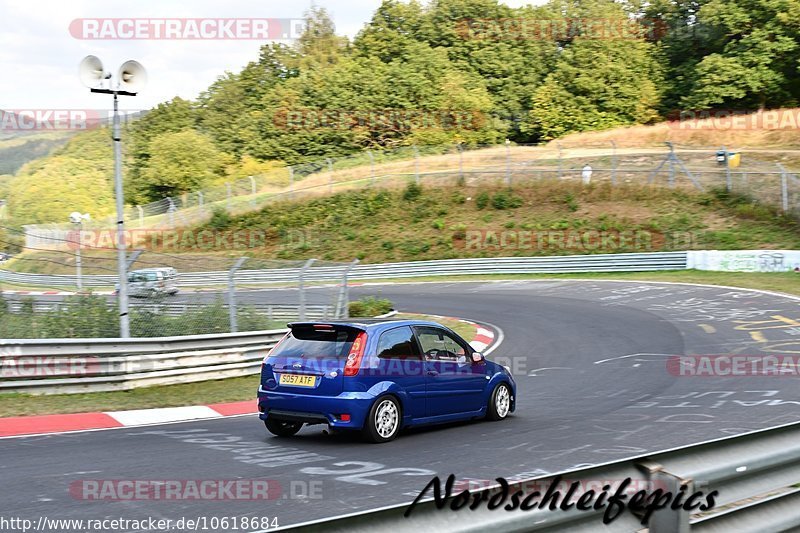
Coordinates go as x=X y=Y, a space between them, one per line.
x=151 y=282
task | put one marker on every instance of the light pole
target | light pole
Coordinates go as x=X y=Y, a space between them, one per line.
x=130 y=80
x=77 y=218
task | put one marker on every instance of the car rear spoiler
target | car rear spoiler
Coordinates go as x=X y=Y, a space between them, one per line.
x=322 y=325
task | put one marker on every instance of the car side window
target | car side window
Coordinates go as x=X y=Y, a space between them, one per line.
x=438 y=345
x=397 y=343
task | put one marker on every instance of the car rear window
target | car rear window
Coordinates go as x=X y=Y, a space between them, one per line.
x=316 y=343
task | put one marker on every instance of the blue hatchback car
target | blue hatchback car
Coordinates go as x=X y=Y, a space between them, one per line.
x=378 y=376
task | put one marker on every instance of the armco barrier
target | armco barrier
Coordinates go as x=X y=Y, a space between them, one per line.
x=50 y=366
x=447 y=267
x=277 y=311
x=755 y=475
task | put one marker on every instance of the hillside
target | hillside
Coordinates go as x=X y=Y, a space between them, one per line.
x=416 y=223
x=468 y=221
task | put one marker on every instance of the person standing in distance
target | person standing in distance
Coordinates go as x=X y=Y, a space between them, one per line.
x=586 y=174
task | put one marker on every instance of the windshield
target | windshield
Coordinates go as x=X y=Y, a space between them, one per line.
x=316 y=343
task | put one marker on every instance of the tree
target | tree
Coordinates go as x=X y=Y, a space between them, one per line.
x=181 y=162
x=737 y=54
x=229 y=111
x=598 y=84
x=509 y=66
x=77 y=177
x=757 y=60
x=169 y=117
x=319 y=45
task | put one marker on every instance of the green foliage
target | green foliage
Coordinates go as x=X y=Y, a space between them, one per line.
x=220 y=219
x=482 y=200
x=506 y=200
x=91 y=316
x=597 y=84
x=412 y=192
x=181 y=162
x=571 y=202
x=369 y=307
x=174 y=116
x=77 y=177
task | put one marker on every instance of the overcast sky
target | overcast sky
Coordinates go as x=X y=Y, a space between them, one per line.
x=40 y=56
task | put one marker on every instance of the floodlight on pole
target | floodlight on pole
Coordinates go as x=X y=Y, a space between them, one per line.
x=131 y=78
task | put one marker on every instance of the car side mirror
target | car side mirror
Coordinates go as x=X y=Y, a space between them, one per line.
x=477 y=357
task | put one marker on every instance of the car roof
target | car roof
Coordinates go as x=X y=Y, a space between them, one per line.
x=368 y=324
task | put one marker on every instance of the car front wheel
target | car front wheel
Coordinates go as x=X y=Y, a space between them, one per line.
x=499 y=403
x=383 y=421
x=282 y=428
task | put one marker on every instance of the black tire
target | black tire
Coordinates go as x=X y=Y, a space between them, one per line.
x=282 y=428
x=383 y=421
x=499 y=402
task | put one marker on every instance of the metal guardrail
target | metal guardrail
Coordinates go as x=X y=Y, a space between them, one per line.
x=755 y=476
x=278 y=311
x=447 y=267
x=58 y=366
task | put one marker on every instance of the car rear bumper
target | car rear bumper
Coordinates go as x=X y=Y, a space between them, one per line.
x=313 y=409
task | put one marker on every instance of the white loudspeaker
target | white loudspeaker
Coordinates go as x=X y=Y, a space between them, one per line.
x=91 y=71
x=132 y=77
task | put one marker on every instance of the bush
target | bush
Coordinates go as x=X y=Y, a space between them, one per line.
x=459 y=231
x=220 y=219
x=412 y=192
x=506 y=200
x=438 y=224
x=570 y=202
x=369 y=306
x=482 y=200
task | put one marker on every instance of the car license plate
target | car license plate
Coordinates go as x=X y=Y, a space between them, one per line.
x=297 y=380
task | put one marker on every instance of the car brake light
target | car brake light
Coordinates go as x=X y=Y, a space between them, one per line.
x=344 y=418
x=356 y=354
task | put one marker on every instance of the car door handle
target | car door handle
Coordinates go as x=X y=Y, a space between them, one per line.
x=433 y=373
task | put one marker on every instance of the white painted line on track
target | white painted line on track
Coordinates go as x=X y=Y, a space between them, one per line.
x=138 y=417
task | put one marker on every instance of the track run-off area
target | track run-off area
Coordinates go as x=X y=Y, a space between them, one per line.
x=594 y=385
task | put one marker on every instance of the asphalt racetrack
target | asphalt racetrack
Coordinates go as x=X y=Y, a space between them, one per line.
x=589 y=358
